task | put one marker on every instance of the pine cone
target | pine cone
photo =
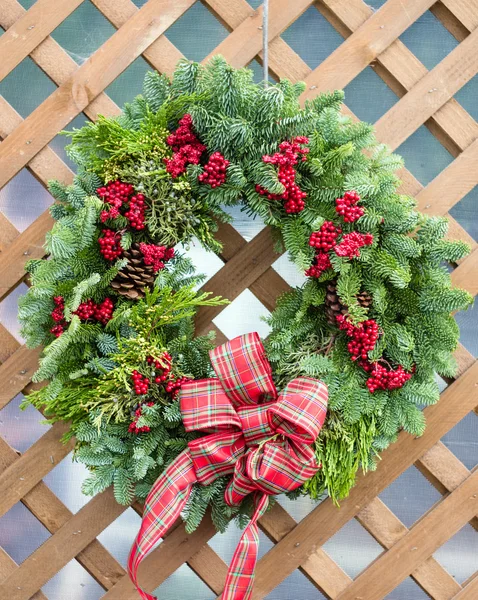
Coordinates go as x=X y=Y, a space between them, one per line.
x=133 y=279
x=334 y=306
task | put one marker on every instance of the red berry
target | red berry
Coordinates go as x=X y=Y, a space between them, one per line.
x=285 y=160
x=325 y=238
x=321 y=263
x=351 y=243
x=110 y=244
x=156 y=255
x=215 y=170
x=347 y=207
x=186 y=146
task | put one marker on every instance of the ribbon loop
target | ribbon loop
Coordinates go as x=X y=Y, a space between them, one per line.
x=244 y=371
x=261 y=440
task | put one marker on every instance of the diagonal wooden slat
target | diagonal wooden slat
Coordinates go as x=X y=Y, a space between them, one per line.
x=364 y=45
x=446 y=519
x=22 y=475
x=54 y=61
x=31 y=29
x=53 y=514
x=70 y=539
x=470 y=591
x=430 y=93
x=387 y=530
x=116 y=54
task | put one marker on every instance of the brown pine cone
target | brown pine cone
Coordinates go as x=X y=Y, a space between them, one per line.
x=133 y=279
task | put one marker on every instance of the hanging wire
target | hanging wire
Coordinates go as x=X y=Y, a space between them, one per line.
x=265 y=41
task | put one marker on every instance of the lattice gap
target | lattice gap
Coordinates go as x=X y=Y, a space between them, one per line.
x=423 y=66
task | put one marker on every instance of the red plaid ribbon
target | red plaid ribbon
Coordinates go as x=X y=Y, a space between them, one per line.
x=260 y=438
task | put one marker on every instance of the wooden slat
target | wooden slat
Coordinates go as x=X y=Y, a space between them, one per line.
x=389 y=570
x=401 y=70
x=22 y=475
x=430 y=93
x=16 y=372
x=465 y=275
x=116 y=54
x=53 y=514
x=238 y=273
x=387 y=530
x=73 y=537
x=55 y=61
x=470 y=591
x=8 y=565
x=451 y=184
x=317 y=527
x=175 y=550
x=241 y=46
x=30 y=30
x=464 y=10
x=162 y=54
x=364 y=45
x=319 y=568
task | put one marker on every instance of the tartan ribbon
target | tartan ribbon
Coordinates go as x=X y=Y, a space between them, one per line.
x=259 y=437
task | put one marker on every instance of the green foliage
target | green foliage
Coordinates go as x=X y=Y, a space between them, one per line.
x=88 y=368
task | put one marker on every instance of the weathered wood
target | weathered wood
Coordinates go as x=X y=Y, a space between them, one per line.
x=117 y=53
x=31 y=29
x=364 y=45
x=446 y=519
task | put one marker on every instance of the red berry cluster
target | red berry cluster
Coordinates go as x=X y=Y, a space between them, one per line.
x=186 y=146
x=363 y=336
x=162 y=367
x=347 y=207
x=163 y=376
x=156 y=255
x=363 y=339
x=115 y=193
x=383 y=379
x=321 y=263
x=140 y=383
x=121 y=195
x=323 y=241
x=104 y=311
x=86 y=310
x=100 y=312
x=58 y=315
x=174 y=385
x=133 y=428
x=135 y=212
x=110 y=246
x=215 y=170
x=326 y=237
x=352 y=242
x=286 y=159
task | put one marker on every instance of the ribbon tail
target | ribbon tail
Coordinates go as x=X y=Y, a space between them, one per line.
x=240 y=576
x=163 y=506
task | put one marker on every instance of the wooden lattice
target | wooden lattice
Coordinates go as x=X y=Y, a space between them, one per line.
x=426 y=97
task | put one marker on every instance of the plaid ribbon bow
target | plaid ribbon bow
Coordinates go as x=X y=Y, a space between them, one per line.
x=260 y=438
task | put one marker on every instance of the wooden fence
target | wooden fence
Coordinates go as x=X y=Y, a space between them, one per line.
x=425 y=97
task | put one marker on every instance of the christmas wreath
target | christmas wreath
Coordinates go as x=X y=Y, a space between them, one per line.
x=114 y=303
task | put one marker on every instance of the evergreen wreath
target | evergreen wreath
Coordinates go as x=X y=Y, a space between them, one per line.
x=114 y=303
